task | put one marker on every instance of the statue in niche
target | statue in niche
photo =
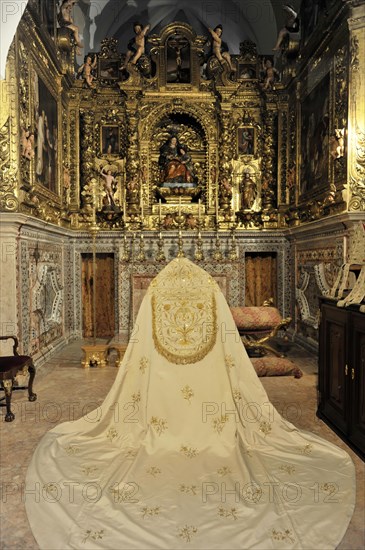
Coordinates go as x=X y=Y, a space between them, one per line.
x=248 y=191
x=291 y=26
x=176 y=164
x=136 y=46
x=65 y=19
x=109 y=186
x=85 y=71
x=219 y=48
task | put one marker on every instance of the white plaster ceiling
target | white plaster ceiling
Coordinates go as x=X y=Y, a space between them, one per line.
x=256 y=20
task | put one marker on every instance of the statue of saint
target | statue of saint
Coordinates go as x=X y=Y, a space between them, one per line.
x=248 y=191
x=175 y=163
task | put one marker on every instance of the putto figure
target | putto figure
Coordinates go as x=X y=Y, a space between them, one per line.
x=271 y=75
x=291 y=25
x=217 y=47
x=136 y=46
x=65 y=19
x=85 y=71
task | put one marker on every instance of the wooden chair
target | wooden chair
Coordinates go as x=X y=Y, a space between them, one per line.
x=10 y=366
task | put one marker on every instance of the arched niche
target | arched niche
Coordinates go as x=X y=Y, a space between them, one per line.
x=196 y=128
x=177 y=52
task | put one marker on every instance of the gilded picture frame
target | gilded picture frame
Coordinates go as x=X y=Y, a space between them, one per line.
x=314 y=139
x=246 y=140
x=110 y=140
x=108 y=69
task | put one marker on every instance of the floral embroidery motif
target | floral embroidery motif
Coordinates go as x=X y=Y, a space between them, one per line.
x=150 y=512
x=287 y=469
x=184 y=329
x=286 y=535
x=136 y=397
x=188 y=393
x=253 y=493
x=188 y=489
x=219 y=423
x=329 y=488
x=143 y=364
x=72 y=450
x=131 y=453
x=265 y=427
x=123 y=494
x=51 y=489
x=237 y=396
x=307 y=449
x=190 y=452
x=94 y=535
x=228 y=512
x=230 y=363
x=160 y=424
x=186 y=533
x=111 y=434
x=224 y=471
x=88 y=470
x=153 y=471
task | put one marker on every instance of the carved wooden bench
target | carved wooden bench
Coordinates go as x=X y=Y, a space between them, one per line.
x=259 y=324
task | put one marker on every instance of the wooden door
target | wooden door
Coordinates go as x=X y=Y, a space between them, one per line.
x=261 y=278
x=104 y=295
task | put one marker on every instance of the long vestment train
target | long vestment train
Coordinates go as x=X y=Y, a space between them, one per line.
x=187 y=450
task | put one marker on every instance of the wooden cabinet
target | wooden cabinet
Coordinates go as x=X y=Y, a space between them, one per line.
x=341 y=376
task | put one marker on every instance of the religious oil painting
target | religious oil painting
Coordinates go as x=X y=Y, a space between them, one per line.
x=315 y=139
x=110 y=140
x=46 y=135
x=246 y=140
x=108 y=69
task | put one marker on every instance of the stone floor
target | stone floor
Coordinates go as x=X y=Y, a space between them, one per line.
x=66 y=392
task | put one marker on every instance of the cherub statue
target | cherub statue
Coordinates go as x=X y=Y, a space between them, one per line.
x=270 y=74
x=65 y=19
x=337 y=143
x=85 y=71
x=191 y=221
x=291 y=25
x=217 y=47
x=136 y=46
x=27 y=144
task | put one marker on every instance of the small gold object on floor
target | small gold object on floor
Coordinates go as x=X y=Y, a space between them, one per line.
x=95 y=355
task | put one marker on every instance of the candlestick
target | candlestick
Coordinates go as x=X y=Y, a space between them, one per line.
x=216 y=205
x=159 y=212
x=199 y=211
x=141 y=204
x=125 y=204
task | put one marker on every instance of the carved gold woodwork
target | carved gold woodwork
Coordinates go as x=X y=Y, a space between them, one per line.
x=146 y=107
